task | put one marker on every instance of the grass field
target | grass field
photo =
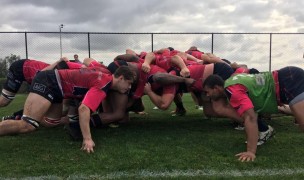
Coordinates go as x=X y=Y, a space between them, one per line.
x=153 y=146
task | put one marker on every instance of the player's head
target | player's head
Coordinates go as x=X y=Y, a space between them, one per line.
x=124 y=78
x=214 y=87
x=62 y=65
x=113 y=66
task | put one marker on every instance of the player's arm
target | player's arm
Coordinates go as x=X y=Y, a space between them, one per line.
x=84 y=121
x=149 y=59
x=52 y=66
x=161 y=101
x=192 y=58
x=178 y=62
x=251 y=129
x=127 y=58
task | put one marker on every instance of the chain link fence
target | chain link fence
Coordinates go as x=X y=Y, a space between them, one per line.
x=264 y=51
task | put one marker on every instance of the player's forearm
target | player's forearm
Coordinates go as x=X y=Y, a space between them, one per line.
x=51 y=66
x=150 y=57
x=251 y=128
x=178 y=62
x=167 y=79
x=156 y=100
x=84 y=121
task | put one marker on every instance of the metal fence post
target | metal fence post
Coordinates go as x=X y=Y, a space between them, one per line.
x=212 y=43
x=270 y=46
x=152 y=42
x=26 y=51
x=89 y=45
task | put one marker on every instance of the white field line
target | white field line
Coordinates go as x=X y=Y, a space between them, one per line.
x=176 y=174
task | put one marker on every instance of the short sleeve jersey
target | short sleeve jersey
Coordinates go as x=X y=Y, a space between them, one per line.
x=196 y=73
x=252 y=90
x=145 y=78
x=31 y=68
x=196 y=54
x=73 y=65
x=91 y=84
x=163 y=60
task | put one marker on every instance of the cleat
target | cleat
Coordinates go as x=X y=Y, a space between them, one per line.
x=73 y=129
x=113 y=125
x=265 y=136
x=239 y=128
x=178 y=112
x=155 y=108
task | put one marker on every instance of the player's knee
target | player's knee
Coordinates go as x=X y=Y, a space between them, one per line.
x=29 y=125
x=4 y=102
x=164 y=106
x=6 y=97
x=51 y=122
x=209 y=113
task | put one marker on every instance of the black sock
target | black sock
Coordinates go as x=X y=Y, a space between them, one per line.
x=18 y=113
x=95 y=121
x=262 y=125
x=180 y=106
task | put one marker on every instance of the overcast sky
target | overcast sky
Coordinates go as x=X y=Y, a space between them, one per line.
x=153 y=15
x=259 y=16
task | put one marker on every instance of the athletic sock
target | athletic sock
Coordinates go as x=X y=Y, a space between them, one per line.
x=262 y=125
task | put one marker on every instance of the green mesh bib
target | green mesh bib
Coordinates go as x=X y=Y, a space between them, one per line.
x=261 y=90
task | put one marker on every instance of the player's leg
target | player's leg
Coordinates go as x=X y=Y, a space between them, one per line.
x=35 y=108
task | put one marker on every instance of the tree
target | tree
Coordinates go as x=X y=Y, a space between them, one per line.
x=6 y=63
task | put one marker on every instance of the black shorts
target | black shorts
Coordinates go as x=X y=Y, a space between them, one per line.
x=46 y=84
x=223 y=70
x=14 y=76
x=291 y=82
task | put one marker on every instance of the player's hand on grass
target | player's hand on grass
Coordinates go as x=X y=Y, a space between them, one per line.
x=246 y=156
x=88 y=145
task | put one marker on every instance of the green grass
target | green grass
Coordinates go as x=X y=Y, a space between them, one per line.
x=153 y=146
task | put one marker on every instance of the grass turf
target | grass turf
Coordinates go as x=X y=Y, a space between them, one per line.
x=153 y=146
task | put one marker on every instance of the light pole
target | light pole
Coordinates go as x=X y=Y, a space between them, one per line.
x=60 y=27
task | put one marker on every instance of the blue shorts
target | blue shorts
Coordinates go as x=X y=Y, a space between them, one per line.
x=223 y=70
x=46 y=85
x=14 y=77
x=291 y=81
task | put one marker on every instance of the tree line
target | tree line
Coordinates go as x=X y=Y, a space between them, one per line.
x=5 y=63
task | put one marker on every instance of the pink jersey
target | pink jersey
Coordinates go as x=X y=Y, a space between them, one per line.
x=31 y=67
x=91 y=84
x=73 y=65
x=102 y=67
x=239 y=99
x=167 y=89
x=96 y=64
x=142 y=55
x=197 y=73
x=140 y=85
x=241 y=70
x=163 y=60
x=197 y=54
x=144 y=78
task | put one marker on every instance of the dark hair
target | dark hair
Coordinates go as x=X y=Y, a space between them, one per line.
x=62 y=65
x=113 y=66
x=253 y=71
x=124 y=71
x=213 y=80
x=171 y=48
x=227 y=61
